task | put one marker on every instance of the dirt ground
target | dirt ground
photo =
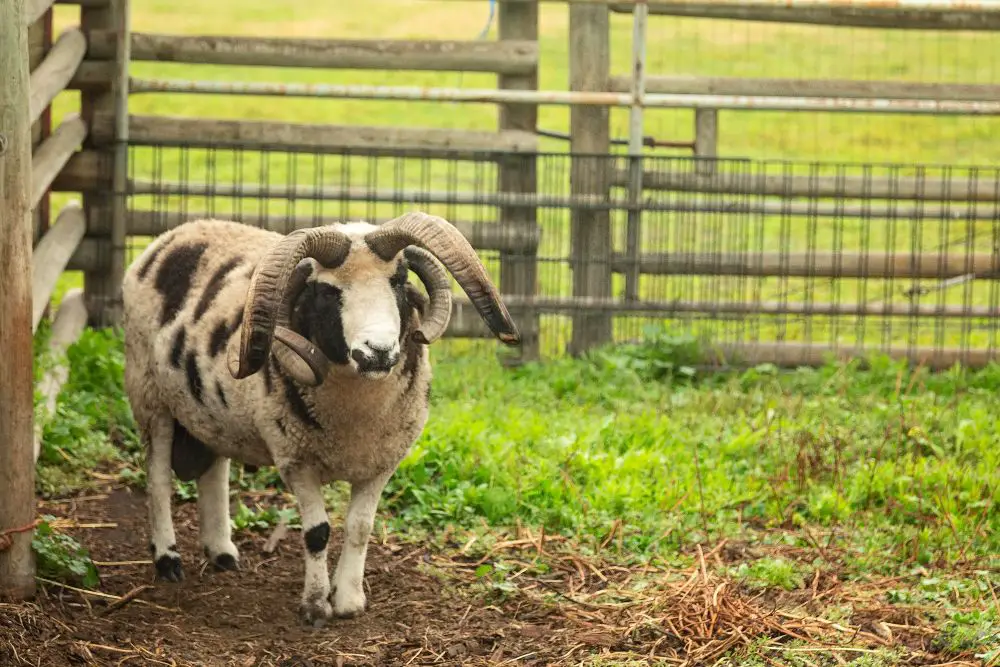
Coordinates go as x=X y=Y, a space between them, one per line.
x=424 y=608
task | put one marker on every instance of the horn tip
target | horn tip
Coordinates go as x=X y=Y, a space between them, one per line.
x=512 y=338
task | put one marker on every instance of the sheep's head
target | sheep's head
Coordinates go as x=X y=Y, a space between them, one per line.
x=347 y=284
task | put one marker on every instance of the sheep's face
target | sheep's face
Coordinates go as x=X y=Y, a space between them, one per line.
x=338 y=295
x=354 y=313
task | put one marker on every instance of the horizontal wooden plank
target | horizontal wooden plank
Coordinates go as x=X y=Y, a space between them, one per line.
x=502 y=57
x=750 y=205
x=755 y=182
x=93 y=75
x=482 y=236
x=86 y=171
x=51 y=255
x=49 y=158
x=817 y=265
x=885 y=16
x=369 y=140
x=53 y=75
x=895 y=90
x=652 y=308
x=791 y=355
x=88 y=4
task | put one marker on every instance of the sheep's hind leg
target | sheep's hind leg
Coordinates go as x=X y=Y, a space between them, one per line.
x=213 y=516
x=159 y=487
x=315 y=605
x=348 y=580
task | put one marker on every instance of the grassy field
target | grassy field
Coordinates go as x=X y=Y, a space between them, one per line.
x=861 y=504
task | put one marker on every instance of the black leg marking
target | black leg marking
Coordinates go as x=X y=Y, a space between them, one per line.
x=317 y=537
x=298 y=404
x=169 y=567
x=221 y=393
x=214 y=286
x=178 y=349
x=190 y=458
x=173 y=280
x=194 y=377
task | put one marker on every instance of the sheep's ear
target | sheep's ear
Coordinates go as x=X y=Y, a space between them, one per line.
x=294 y=365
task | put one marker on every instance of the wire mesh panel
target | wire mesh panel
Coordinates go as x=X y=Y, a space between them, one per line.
x=760 y=260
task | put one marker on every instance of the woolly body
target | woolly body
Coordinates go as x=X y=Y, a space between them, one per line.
x=184 y=300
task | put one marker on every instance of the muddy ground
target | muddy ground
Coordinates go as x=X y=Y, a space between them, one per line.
x=425 y=607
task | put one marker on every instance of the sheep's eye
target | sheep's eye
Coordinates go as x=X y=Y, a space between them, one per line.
x=398 y=279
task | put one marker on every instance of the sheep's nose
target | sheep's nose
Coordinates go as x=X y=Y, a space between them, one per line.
x=375 y=358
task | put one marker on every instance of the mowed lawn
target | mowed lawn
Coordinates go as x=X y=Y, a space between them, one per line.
x=872 y=489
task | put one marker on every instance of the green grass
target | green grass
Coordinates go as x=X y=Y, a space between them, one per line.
x=882 y=474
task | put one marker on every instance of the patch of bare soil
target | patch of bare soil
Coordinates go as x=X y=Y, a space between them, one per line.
x=424 y=608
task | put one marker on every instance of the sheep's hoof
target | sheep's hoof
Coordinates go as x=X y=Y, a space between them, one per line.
x=225 y=562
x=349 y=605
x=168 y=568
x=316 y=612
x=226 y=559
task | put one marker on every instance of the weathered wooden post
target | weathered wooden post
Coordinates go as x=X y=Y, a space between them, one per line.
x=17 y=471
x=106 y=114
x=518 y=174
x=590 y=143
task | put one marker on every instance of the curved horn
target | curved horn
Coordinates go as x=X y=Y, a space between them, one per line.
x=268 y=288
x=434 y=278
x=446 y=243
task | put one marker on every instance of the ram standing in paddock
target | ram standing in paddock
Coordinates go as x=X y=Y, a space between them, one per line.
x=307 y=352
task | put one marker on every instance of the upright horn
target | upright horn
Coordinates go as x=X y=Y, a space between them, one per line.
x=446 y=243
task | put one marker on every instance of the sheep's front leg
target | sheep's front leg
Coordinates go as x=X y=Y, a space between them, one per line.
x=213 y=516
x=348 y=580
x=315 y=606
x=160 y=489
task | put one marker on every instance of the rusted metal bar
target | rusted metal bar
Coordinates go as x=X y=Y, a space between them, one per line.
x=869 y=90
x=567 y=98
x=985 y=6
x=574 y=201
x=801 y=264
x=571 y=304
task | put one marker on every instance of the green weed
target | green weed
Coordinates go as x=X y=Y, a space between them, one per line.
x=61 y=558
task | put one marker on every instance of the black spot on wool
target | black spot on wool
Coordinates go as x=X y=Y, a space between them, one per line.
x=268 y=380
x=298 y=404
x=190 y=458
x=195 y=385
x=148 y=264
x=173 y=279
x=214 y=286
x=317 y=537
x=221 y=393
x=221 y=334
x=178 y=348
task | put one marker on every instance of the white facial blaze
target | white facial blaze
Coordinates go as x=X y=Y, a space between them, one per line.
x=370 y=316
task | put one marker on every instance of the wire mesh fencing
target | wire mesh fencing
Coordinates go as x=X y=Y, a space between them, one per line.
x=759 y=261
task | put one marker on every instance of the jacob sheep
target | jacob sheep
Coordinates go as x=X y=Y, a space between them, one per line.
x=305 y=351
